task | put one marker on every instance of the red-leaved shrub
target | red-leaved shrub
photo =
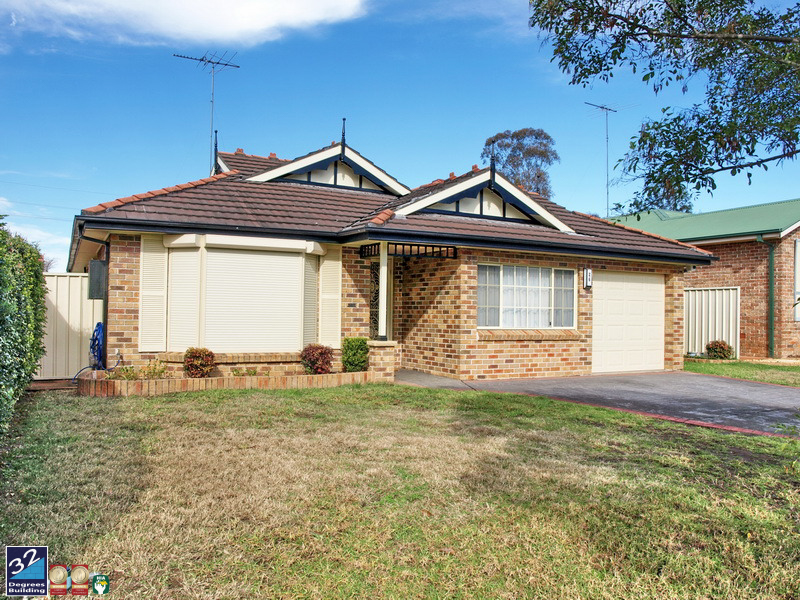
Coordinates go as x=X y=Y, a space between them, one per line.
x=198 y=362
x=317 y=359
x=719 y=349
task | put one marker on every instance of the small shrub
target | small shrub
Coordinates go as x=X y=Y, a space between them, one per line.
x=317 y=359
x=237 y=372
x=126 y=373
x=198 y=362
x=355 y=354
x=154 y=370
x=719 y=349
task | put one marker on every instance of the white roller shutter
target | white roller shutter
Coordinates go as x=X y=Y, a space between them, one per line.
x=184 y=299
x=153 y=295
x=310 y=293
x=330 y=298
x=253 y=301
x=628 y=322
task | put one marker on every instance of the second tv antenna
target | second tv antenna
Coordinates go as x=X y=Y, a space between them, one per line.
x=217 y=64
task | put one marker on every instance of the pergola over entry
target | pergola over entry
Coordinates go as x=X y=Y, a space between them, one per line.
x=384 y=250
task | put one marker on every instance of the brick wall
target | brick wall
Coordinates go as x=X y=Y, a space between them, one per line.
x=123 y=302
x=434 y=314
x=355 y=294
x=549 y=353
x=746 y=264
x=435 y=317
x=787 y=330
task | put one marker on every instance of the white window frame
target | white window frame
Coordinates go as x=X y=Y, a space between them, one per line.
x=574 y=324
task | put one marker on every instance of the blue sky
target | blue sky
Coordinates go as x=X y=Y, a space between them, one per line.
x=95 y=106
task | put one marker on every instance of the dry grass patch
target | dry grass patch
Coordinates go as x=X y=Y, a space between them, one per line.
x=395 y=492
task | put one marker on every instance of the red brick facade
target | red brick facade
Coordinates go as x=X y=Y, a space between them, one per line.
x=746 y=265
x=123 y=302
x=435 y=317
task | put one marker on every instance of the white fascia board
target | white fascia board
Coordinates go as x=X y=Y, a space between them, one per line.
x=237 y=242
x=222 y=165
x=256 y=243
x=729 y=240
x=394 y=185
x=790 y=229
x=531 y=203
x=297 y=165
x=427 y=201
x=432 y=199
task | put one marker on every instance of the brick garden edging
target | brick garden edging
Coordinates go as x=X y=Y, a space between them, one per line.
x=87 y=386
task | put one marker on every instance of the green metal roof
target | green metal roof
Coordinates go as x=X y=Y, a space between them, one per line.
x=772 y=217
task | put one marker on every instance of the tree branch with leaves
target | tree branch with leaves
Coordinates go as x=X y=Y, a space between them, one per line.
x=745 y=55
x=524 y=156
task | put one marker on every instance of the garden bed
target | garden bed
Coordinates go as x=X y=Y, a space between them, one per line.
x=90 y=384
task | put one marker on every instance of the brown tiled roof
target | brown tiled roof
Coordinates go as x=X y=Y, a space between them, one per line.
x=250 y=164
x=229 y=202
x=104 y=206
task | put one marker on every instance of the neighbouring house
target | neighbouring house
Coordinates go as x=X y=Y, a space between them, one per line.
x=756 y=280
x=466 y=277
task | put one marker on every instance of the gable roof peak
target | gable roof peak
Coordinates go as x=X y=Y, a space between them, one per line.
x=325 y=156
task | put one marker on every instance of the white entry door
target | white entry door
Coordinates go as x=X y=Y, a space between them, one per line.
x=628 y=322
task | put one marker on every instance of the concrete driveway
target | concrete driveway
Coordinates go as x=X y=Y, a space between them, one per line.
x=728 y=402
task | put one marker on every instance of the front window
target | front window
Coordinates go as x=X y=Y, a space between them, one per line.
x=514 y=297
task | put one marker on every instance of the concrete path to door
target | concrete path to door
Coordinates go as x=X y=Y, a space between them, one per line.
x=677 y=395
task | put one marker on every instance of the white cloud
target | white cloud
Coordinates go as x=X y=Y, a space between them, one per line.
x=5 y=205
x=52 y=245
x=241 y=22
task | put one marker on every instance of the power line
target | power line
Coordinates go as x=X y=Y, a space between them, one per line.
x=37 y=217
x=217 y=63
x=606 y=110
x=50 y=187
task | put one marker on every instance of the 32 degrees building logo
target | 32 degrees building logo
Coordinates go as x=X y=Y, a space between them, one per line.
x=26 y=570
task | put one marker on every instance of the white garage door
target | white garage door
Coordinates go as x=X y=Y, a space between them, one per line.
x=628 y=322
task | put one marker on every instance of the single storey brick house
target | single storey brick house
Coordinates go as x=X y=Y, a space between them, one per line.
x=467 y=277
x=759 y=260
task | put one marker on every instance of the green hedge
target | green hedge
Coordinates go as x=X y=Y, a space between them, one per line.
x=355 y=354
x=22 y=318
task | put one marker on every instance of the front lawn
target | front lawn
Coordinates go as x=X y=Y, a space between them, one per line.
x=780 y=374
x=398 y=492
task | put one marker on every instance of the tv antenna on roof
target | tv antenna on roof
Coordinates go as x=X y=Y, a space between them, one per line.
x=606 y=110
x=217 y=64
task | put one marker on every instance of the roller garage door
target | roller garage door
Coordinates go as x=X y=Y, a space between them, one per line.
x=628 y=322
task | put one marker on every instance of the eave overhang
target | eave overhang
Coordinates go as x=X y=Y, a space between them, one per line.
x=378 y=234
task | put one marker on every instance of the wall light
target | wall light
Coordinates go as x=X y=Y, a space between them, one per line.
x=587 y=278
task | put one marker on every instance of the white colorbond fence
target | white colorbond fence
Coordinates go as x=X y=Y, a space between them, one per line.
x=711 y=314
x=71 y=318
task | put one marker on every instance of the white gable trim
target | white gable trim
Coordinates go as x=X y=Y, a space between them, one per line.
x=298 y=165
x=501 y=181
x=222 y=165
x=789 y=230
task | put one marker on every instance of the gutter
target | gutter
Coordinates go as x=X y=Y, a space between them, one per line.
x=770 y=297
x=375 y=234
